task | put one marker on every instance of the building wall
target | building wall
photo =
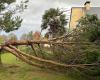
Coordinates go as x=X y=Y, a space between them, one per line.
x=95 y=11
x=36 y=36
x=76 y=14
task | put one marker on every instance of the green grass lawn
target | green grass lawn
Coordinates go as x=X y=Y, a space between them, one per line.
x=16 y=70
x=23 y=71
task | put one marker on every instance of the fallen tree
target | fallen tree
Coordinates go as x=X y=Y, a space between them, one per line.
x=27 y=42
x=40 y=62
x=20 y=55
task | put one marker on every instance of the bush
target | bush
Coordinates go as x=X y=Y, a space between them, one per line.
x=92 y=56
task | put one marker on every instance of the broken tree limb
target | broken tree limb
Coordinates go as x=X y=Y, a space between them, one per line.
x=41 y=51
x=25 y=42
x=61 y=37
x=20 y=57
x=33 y=49
x=50 y=61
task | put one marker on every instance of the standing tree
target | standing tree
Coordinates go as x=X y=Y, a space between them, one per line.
x=12 y=37
x=24 y=37
x=55 y=20
x=30 y=35
x=8 y=20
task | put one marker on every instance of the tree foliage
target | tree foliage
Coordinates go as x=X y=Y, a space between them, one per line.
x=89 y=26
x=12 y=37
x=55 y=20
x=7 y=20
x=30 y=35
x=23 y=37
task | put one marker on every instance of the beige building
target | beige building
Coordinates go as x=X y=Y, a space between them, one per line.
x=78 y=12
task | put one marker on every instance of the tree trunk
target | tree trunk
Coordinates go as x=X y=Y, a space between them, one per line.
x=21 y=57
x=17 y=52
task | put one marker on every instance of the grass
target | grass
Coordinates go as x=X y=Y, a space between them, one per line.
x=23 y=71
x=16 y=70
x=9 y=58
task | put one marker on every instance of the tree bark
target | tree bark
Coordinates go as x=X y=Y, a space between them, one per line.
x=21 y=57
x=33 y=50
x=25 y=42
x=14 y=51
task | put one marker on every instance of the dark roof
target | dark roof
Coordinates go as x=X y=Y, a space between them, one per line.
x=87 y=2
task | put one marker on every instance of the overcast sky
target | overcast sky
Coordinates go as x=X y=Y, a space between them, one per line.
x=32 y=16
